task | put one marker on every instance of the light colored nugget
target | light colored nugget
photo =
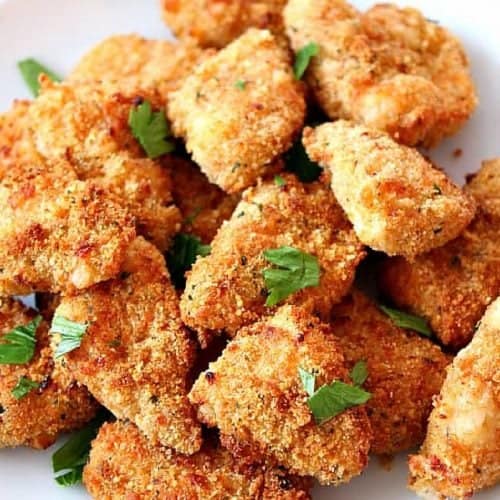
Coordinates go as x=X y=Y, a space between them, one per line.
x=461 y=453
x=396 y=200
x=405 y=371
x=56 y=406
x=226 y=289
x=221 y=21
x=136 y=354
x=451 y=286
x=123 y=464
x=239 y=110
x=254 y=395
x=389 y=68
x=58 y=234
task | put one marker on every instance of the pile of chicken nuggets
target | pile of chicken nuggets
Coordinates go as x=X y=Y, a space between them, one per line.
x=213 y=380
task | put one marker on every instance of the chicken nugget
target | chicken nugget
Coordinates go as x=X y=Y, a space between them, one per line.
x=451 y=286
x=38 y=400
x=404 y=372
x=253 y=393
x=123 y=464
x=396 y=200
x=461 y=453
x=226 y=290
x=239 y=110
x=389 y=68
x=136 y=354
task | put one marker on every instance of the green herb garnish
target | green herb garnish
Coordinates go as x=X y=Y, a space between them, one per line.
x=18 y=346
x=71 y=334
x=359 y=373
x=240 y=84
x=31 y=70
x=23 y=387
x=408 y=321
x=300 y=164
x=303 y=58
x=279 y=181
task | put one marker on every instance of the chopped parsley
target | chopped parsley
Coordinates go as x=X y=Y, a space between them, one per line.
x=359 y=373
x=279 y=181
x=436 y=190
x=151 y=129
x=408 y=321
x=308 y=380
x=31 y=70
x=18 y=346
x=240 y=84
x=71 y=334
x=23 y=387
x=296 y=270
x=299 y=163
x=303 y=58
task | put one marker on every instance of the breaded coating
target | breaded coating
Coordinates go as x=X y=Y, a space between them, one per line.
x=239 y=110
x=123 y=464
x=254 y=395
x=461 y=453
x=58 y=234
x=405 y=371
x=221 y=21
x=226 y=289
x=451 y=286
x=389 y=68
x=58 y=405
x=396 y=200
x=138 y=61
x=204 y=206
x=135 y=355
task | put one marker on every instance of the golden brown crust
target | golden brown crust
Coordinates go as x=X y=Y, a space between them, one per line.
x=59 y=404
x=389 y=68
x=254 y=395
x=461 y=453
x=136 y=354
x=404 y=372
x=239 y=110
x=226 y=289
x=396 y=200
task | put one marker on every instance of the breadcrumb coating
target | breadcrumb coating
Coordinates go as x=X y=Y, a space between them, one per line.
x=451 y=286
x=461 y=453
x=58 y=405
x=254 y=395
x=135 y=355
x=405 y=371
x=239 y=110
x=396 y=200
x=226 y=289
x=389 y=68
x=222 y=20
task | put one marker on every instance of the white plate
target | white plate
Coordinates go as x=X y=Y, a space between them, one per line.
x=58 y=32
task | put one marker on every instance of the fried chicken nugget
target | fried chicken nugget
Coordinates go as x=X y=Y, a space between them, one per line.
x=226 y=289
x=451 y=286
x=222 y=20
x=461 y=453
x=135 y=355
x=123 y=464
x=396 y=200
x=58 y=234
x=57 y=405
x=254 y=395
x=389 y=68
x=239 y=110
x=404 y=372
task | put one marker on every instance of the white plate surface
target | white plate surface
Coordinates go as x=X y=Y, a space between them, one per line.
x=58 y=32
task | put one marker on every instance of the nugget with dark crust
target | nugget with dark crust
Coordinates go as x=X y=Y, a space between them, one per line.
x=135 y=355
x=396 y=200
x=451 y=286
x=461 y=453
x=57 y=405
x=123 y=464
x=405 y=371
x=226 y=289
x=254 y=395
x=239 y=110
x=389 y=68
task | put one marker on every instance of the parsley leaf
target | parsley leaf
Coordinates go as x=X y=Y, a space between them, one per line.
x=408 y=321
x=151 y=129
x=240 y=84
x=279 y=181
x=359 y=373
x=182 y=255
x=23 y=387
x=18 y=346
x=71 y=334
x=303 y=58
x=296 y=270
x=308 y=380
x=300 y=164
x=30 y=70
